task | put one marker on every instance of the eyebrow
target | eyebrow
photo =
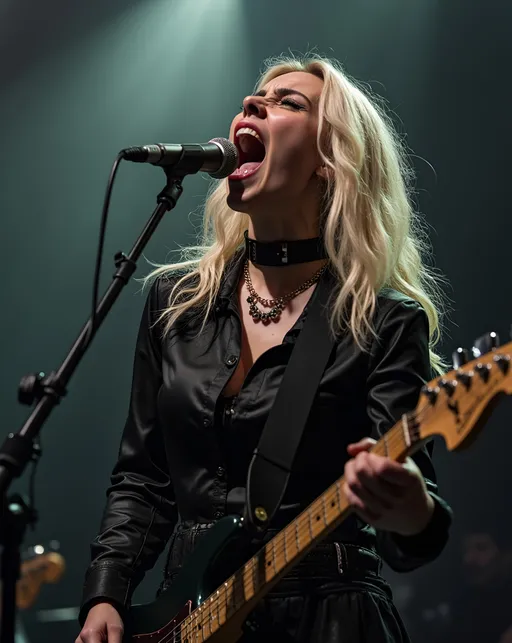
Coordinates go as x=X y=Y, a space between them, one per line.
x=283 y=91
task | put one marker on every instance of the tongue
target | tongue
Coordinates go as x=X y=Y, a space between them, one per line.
x=245 y=168
x=250 y=166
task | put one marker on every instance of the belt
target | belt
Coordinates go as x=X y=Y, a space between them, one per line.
x=336 y=560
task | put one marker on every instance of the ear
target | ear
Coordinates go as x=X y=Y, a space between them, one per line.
x=323 y=172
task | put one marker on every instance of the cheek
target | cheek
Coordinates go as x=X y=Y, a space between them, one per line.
x=291 y=165
x=296 y=150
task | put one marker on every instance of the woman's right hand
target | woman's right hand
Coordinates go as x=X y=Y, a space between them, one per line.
x=103 y=625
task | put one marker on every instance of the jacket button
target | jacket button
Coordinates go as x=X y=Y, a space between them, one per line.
x=220 y=472
x=231 y=360
x=206 y=422
x=217 y=515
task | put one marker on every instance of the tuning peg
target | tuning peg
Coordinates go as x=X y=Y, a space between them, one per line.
x=485 y=344
x=460 y=357
x=431 y=392
x=448 y=386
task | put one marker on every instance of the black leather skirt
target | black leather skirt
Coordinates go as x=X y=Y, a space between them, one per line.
x=336 y=594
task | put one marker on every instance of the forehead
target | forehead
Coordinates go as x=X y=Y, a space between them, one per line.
x=302 y=81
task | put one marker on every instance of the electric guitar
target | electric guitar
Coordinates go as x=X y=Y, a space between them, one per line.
x=39 y=568
x=193 y=610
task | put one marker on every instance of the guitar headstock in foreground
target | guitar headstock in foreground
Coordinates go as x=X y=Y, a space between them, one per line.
x=457 y=404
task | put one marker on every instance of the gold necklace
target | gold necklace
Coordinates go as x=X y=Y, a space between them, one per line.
x=276 y=305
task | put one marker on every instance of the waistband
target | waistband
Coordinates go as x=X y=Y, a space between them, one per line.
x=328 y=561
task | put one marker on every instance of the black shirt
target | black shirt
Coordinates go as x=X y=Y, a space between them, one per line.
x=174 y=467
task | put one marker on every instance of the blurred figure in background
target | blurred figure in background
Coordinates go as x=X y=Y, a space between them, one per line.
x=484 y=612
x=475 y=607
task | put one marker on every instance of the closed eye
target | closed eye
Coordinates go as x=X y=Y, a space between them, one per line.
x=292 y=103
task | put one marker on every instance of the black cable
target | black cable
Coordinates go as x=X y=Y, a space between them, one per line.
x=101 y=244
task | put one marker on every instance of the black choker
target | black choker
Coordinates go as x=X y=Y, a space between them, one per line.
x=284 y=253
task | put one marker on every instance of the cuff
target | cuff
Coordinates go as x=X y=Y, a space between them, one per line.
x=430 y=542
x=106 y=583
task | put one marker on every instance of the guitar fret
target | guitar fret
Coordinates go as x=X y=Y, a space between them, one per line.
x=324 y=509
x=338 y=493
x=386 y=450
x=238 y=594
x=195 y=622
x=204 y=621
x=254 y=574
x=226 y=596
x=297 y=535
x=310 y=524
x=212 y=616
x=285 y=550
x=274 y=555
x=199 y=624
x=247 y=576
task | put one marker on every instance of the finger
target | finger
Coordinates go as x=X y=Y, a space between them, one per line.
x=366 y=513
x=393 y=472
x=115 y=633
x=90 y=635
x=394 y=476
x=386 y=492
x=363 y=445
x=359 y=478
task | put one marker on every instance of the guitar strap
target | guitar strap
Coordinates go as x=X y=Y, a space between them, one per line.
x=273 y=458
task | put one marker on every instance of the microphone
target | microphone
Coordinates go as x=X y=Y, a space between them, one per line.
x=218 y=157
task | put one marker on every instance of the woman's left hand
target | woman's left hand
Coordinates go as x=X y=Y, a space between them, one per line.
x=386 y=494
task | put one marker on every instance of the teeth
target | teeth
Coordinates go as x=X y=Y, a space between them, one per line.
x=251 y=132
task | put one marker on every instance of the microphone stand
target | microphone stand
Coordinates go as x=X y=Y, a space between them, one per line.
x=19 y=448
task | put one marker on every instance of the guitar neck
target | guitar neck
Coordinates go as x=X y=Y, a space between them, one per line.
x=252 y=581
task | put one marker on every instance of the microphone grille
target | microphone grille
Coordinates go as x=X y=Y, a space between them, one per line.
x=229 y=160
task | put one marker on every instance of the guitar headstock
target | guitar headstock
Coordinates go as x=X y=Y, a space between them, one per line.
x=42 y=567
x=457 y=404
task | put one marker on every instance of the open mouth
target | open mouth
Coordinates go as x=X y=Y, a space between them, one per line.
x=251 y=151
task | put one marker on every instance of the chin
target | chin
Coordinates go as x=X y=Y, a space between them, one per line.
x=240 y=199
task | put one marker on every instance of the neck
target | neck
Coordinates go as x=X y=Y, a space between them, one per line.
x=276 y=281
x=284 y=224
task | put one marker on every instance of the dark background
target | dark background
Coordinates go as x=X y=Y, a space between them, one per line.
x=80 y=81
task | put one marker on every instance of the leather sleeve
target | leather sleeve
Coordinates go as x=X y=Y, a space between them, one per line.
x=140 y=513
x=399 y=366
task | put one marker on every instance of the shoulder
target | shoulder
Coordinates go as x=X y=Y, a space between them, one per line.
x=159 y=292
x=163 y=286
x=393 y=307
x=401 y=334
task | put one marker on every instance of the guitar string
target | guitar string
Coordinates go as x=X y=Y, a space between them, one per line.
x=395 y=437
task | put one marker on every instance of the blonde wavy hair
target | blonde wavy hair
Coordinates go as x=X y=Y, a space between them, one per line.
x=372 y=235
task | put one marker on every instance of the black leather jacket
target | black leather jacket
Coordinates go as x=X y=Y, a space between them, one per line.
x=176 y=470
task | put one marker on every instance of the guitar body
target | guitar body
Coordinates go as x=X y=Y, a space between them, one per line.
x=160 y=620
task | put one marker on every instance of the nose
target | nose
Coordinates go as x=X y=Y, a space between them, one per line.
x=254 y=105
